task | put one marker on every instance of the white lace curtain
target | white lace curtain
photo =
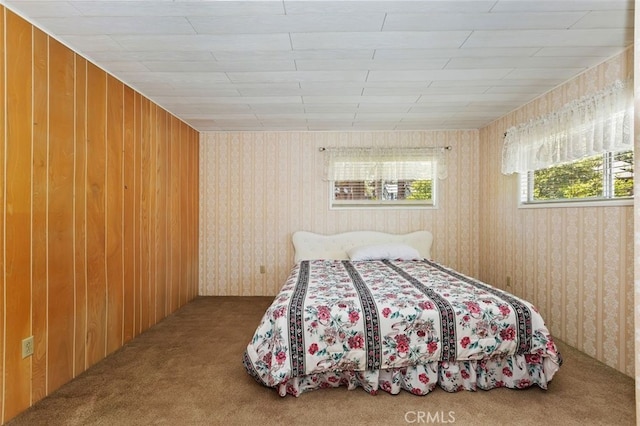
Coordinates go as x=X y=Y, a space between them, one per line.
x=591 y=125
x=385 y=163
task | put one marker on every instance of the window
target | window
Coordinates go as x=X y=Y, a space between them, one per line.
x=607 y=176
x=376 y=177
x=581 y=152
x=368 y=193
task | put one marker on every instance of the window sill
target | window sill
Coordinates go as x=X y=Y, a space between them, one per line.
x=382 y=207
x=628 y=202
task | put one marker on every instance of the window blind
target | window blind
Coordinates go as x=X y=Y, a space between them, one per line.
x=384 y=164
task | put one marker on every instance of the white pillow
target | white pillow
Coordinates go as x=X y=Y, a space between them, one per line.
x=383 y=251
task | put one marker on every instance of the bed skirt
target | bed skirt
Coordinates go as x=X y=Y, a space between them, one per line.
x=515 y=372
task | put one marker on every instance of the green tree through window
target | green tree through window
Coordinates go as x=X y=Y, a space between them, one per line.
x=623 y=172
x=599 y=177
x=420 y=190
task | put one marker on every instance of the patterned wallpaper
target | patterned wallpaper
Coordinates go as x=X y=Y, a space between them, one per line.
x=576 y=264
x=256 y=189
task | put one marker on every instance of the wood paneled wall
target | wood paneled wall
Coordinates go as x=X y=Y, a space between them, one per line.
x=98 y=211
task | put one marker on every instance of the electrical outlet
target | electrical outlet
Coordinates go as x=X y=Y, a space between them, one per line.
x=27 y=347
x=508 y=282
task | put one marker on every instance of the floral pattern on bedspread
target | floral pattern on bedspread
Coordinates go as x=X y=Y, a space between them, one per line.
x=395 y=325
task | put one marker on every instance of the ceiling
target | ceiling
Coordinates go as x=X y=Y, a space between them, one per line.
x=338 y=65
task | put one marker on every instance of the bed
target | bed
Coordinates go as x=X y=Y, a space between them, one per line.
x=370 y=309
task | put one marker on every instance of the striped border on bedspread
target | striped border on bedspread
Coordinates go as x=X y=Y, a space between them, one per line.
x=523 y=313
x=371 y=318
x=296 y=325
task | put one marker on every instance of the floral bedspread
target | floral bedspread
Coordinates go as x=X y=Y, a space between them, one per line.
x=395 y=325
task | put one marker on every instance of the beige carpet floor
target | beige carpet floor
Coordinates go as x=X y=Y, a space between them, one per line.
x=187 y=370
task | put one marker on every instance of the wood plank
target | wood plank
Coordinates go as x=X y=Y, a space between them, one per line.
x=39 y=279
x=128 y=215
x=161 y=215
x=152 y=213
x=195 y=255
x=137 y=267
x=144 y=214
x=175 y=215
x=195 y=209
x=2 y=204
x=80 y=215
x=17 y=373
x=192 y=221
x=188 y=210
x=96 y=174
x=169 y=204
x=115 y=139
x=60 y=216
x=184 y=214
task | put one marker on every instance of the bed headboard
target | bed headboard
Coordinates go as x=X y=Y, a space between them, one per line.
x=309 y=245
